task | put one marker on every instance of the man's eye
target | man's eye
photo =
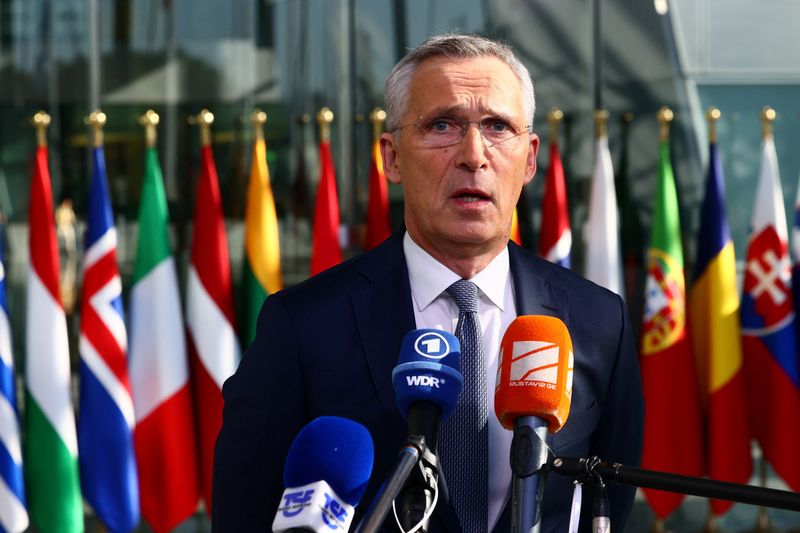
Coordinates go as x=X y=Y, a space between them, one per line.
x=441 y=125
x=495 y=125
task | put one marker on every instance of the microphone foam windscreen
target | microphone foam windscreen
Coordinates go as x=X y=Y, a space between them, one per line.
x=534 y=375
x=428 y=369
x=332 y=449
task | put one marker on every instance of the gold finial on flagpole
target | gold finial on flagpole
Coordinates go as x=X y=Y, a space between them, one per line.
x=41 y=121
x=554 y=118
x=600 y=119
x=768 y=115
x=258 y=118
x=149 y=120
x=96 y=120
x=664 y=116
x=204 y=119
x=324 y=119
x=377 y=117
x=712 y=116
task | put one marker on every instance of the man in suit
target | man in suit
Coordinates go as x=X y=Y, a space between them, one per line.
x=459 y=142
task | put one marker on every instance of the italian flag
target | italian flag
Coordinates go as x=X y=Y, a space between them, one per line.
x=159 y=371
x=51 y=444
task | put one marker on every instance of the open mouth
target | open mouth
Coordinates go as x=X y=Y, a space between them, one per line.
x=471 y=196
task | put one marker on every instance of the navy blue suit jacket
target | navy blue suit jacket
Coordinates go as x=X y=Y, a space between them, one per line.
x=328 y=346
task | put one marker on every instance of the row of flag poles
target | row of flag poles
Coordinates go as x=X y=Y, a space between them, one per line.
x=150 y=403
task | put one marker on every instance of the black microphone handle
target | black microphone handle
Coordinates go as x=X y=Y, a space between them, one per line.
x=709 y=488
x=416 y=495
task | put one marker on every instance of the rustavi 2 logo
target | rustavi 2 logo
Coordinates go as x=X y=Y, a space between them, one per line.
x=296 y=502
x=432 y=345
x=333 y=514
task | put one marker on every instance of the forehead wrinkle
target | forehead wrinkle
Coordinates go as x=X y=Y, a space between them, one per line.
x=460 y=111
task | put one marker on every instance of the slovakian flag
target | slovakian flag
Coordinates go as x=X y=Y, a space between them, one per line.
x=325 y=249
x=603 y=260
x=262 y=268
x=672 y=425
x=159 y=370
x=769 y=330
x=13 y=506
x=106 y=419
x=378 y=227
x=213 y=344
x=51 y=444
x=555 y=236
x=715 y=331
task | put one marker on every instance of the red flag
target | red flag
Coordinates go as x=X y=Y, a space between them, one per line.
x=555 y=237
x=325 y=249
x=378 y=204
x=213 y=344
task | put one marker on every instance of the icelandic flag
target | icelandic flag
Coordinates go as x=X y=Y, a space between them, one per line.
x=106 y=417
x=13 y=509
x=768 y=328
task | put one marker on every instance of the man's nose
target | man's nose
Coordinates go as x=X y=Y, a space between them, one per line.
x=472 y=149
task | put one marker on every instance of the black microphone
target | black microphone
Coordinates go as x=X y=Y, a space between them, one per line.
x=532 y=398
x=325 y=474
x=427 y=381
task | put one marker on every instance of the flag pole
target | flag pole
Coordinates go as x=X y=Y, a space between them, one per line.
x=763 y=523
x=600 y=120
x=150 y=120
x=713 y=114
x=554 y=118
x=41 y=121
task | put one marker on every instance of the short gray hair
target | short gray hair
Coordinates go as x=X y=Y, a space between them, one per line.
x=455 y=46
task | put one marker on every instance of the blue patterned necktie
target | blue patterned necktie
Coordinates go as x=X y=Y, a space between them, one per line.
x=465 y=435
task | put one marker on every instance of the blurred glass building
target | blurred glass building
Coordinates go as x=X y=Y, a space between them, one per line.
x=292 y=57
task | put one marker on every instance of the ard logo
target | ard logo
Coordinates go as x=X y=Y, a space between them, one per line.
x=432 y=345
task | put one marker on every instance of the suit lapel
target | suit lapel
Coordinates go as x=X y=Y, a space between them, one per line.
x=383 y=311
x=533 y=292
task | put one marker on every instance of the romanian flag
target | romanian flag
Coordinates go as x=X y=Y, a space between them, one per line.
x=769 y=330
x=213 y=342
x=555 y=236
x=715 y=331
x=672 y=427
x=325 y=249
x=106 y=421
x=378 y=228
x=262 y=268
x=165 y=428
x=51 y=443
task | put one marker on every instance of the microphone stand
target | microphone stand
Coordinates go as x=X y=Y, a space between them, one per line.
x=413 y=451
x=528 y=457
x=618 y=474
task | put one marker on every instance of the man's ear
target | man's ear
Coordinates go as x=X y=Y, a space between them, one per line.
x=390 y=156
x=530 y=164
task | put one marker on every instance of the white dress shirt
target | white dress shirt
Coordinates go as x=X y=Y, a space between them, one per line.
x=433 y=308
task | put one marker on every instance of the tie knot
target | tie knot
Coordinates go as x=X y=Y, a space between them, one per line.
x=465 y=294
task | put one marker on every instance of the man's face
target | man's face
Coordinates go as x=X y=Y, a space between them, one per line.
x=459 y=199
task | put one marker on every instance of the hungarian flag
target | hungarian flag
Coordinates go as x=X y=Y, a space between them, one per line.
x=769 y=331
x=603 y=261
x=13 y=511
x=715 y=330
x=106 y=421
x=555 y=236
x=213 y=344
x=672 y=424
x=262 y=268
x=51 y=444
x=325 y=249
x=378 y=228
x=159 y=370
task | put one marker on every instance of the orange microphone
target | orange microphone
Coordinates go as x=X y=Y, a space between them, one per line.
x=532 y=397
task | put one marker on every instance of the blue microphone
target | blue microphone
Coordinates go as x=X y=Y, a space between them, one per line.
x=427 y=381
x=325 y=475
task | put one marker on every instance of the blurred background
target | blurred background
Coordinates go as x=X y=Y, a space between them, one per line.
x=292 y=57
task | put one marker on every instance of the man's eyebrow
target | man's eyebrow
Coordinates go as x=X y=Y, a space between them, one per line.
x=457 y=110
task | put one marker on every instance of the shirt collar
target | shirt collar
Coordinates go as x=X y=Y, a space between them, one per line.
x=429 y=278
